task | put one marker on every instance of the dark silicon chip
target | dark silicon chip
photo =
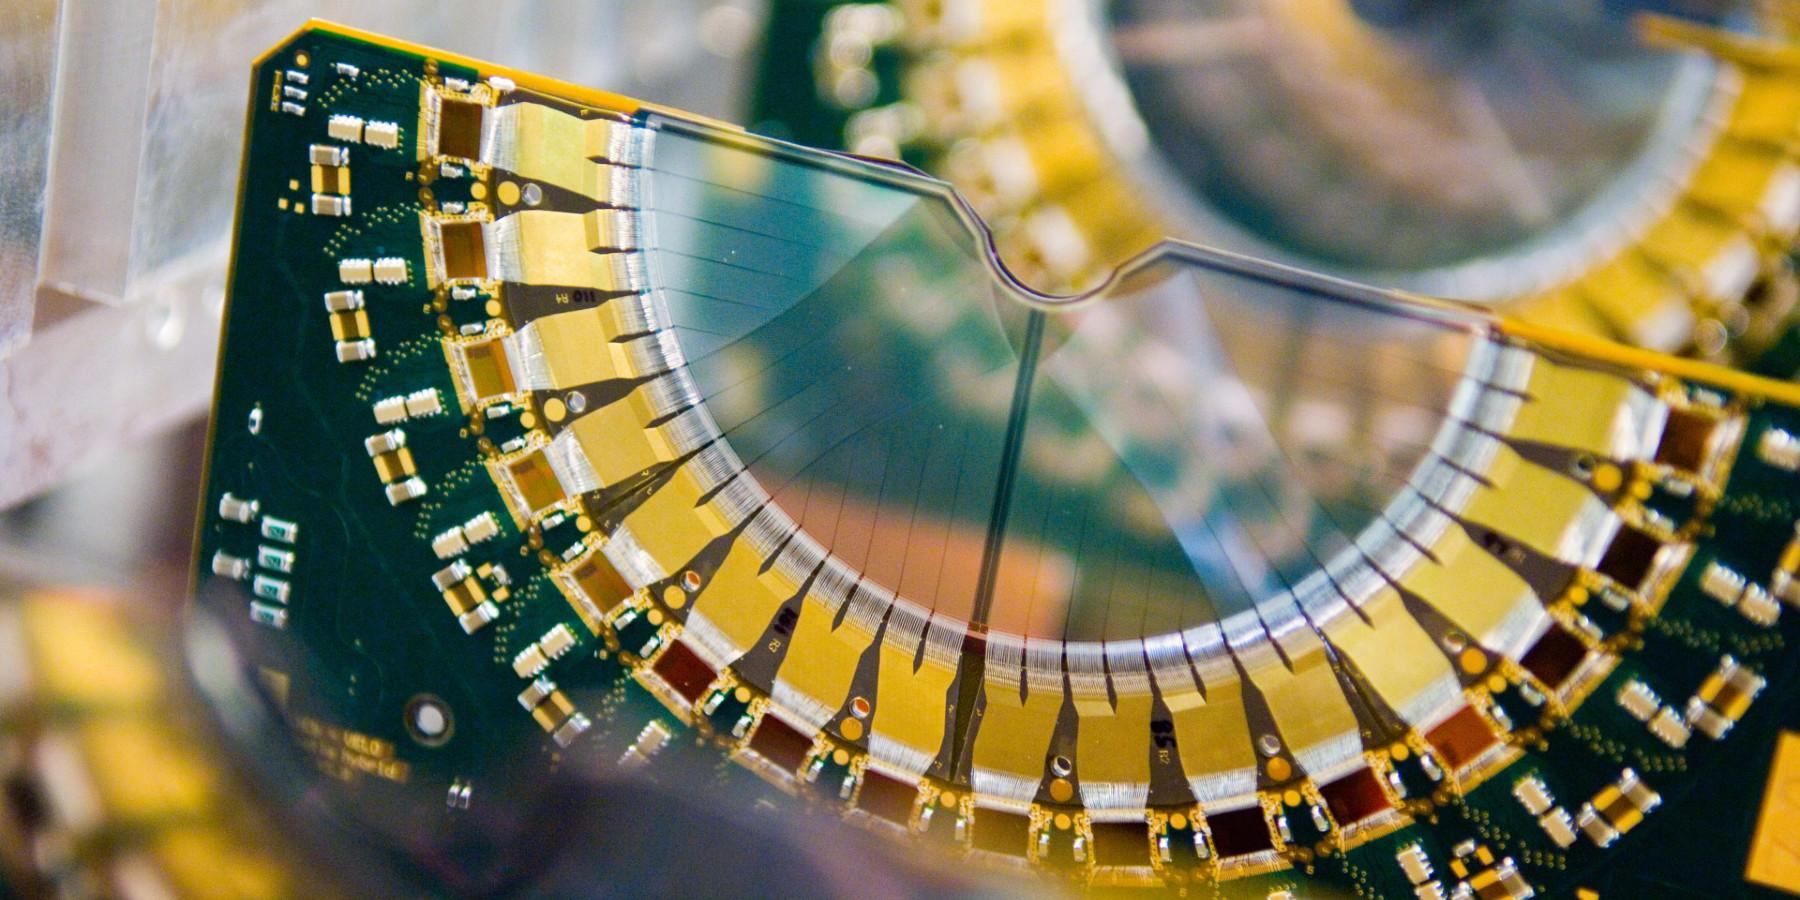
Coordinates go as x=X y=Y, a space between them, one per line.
x=780 y=744
x=886 y=798
x=1355 y=797
x=685 y=671
x=1684 y=440
x=1629 y=558
x=1002 y=832
x=1122 y=843
x=1462 y=738
x=459 y=129
x=1554 y=657
x=1240 y=832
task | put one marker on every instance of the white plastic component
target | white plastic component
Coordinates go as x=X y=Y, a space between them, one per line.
x=478 y=618
x=1638 y=699
x=390 y=270
x=1746 y=681
x=343 y=301
x=235 y=509
x=424 y=403
x=347 y=70
x=1414 y=863
x=385 y=135
x=1597 y=829
x=1638 y=793
x=530 y=661
x=225 y=565
x=480 y=528
x=557 y=641
x=572 y=729
x=1557 y=825
x=355 y=271
x=330 y=205
x=356 y=351
x=280 y=530
x=401 y=491
x=268 y=614
x=1721 y=583
x=535 y=693
x=390 y=410
x=448 y=576
x=1779 y=449
x=1757 y=606
x=650 y=741
x=1710 y=723
x=1669 y=727
x=328 y=155
x=385 y=442
x=275 y=559
x=449 y=544
x=1533 y=795
x=345 y=128
x=270 y=588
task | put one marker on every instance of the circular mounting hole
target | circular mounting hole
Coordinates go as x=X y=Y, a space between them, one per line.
x=576 y=401
x=429 y=721
x=1584 y=465
x=690 y=580
x=1268 y=744
x=859 y=707
x=532 y=195
x=1061 y=766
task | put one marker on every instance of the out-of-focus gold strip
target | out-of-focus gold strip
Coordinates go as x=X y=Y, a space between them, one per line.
x=1619 y=354
x=964 y=23
x=1565 y=308
x=84 y=656
x=561 y=250
x=821 y=661
x=1390 y=649
x=910 y=704
x=1211 y=731
x=1741 y=178
x=1529 y=503
x=616 y=443
x=1304 y=697
x=672 y=525
x=740 y=601
x=578 y=347
x=554 y=147
x=1685 y=34
x=1112 y=742
x=1469 y=586
x=1575 y=407
x=549 y=145
x=143 y=772
x=1638 y=299
x=1775 y=849
x=214 y=861
x=1014 y=735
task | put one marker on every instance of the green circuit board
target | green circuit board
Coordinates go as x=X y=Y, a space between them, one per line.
x=403 y=562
